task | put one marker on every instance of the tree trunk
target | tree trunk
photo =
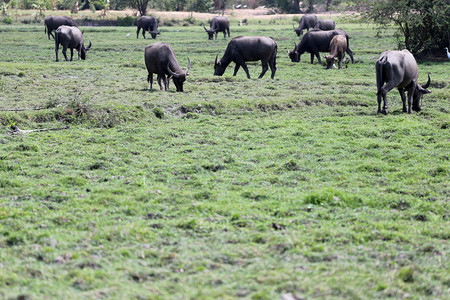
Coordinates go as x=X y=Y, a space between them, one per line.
x=296 y=8
x=311 y=6
x=327 y=7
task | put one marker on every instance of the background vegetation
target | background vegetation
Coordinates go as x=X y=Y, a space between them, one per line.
x=236 y=188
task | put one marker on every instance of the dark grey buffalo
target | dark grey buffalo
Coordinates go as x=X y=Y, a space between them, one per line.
x=248 y=48
x=315 y=41
x=399 y=69
x=70 y=37
x=306 y=22
x=149 y=24
x=218 y=24
x=53 y=22
x=338 y=46
x=160 y=59
x=325 y=24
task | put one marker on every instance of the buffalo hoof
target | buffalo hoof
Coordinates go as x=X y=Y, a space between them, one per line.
x=384 y=111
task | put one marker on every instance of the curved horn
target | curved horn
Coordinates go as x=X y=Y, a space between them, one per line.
x=295 y=46
x=215 y=63
x=189 y=66
x=288 y=50
x=428 y=82
x=89 y=47
x=172 y=72
x=205 y=28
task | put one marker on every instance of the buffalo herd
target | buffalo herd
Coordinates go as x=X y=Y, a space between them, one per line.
x=394 y=69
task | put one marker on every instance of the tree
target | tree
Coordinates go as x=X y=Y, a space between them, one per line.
x=140 y=5
x=422 y=25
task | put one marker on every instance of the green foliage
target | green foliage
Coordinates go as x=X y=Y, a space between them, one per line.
x=126 y=21
x=423 y=25
x=8 y=20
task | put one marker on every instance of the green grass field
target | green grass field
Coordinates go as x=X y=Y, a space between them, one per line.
x=236 y=188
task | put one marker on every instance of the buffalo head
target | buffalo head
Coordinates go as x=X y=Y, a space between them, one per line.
x=293 y=55
x=84 y=50
x=210 y=33
x=179 y=78
x=298 y=31
x=330 y=61
x=418 y=92
x=154 y=34
x=219 y=68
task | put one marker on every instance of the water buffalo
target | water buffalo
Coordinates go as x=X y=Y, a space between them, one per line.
x=218 y=24
x=248 y=48
x=306 y=22
x=70 y=37
x=160 y=59
x=338 y=46
x=399 y=69
x=53 y=22
x=325 y=24
x=315 y=41
x=147 y=23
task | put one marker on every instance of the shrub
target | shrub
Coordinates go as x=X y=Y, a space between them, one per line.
x=8 y=20
x=126 y=21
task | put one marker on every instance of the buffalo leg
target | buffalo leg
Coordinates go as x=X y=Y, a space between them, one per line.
x=56 y=50
x=150 y=80
x=143 y=33
x=64 y=51
x=137 y=32
x=312 y=58
x=159 y=81
x=216 y=34
x=273 y=65
x=265 y=67
x=402 y=95
x=236 y=69
x=410 y=96
x=71 y=54
x=379 y=102
x=224 y=34
x=244 y=66
x=228 y=30
x=350 y=53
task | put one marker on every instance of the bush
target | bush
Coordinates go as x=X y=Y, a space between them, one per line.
x=8 y=20
x=126 y=21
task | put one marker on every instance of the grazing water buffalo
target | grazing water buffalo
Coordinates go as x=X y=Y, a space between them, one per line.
x=325 y=24
x=160 y=59
x=218 y=24
x=306 y=22
x=315 y=41
x=399 y=69
x=248 y=48
x=338 y=46
x=53 y=22
x=147 y=23
x=70 y=37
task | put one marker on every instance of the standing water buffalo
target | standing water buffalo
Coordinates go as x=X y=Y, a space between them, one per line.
x=70 y=37
x=338 y=46
x=147 y=23
x=306 y=22
x=218 y=24
x=160 y=59
x=53 y=22
x=315 y=41
x=325 y=24
x=399 y=69
x=248 y=48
